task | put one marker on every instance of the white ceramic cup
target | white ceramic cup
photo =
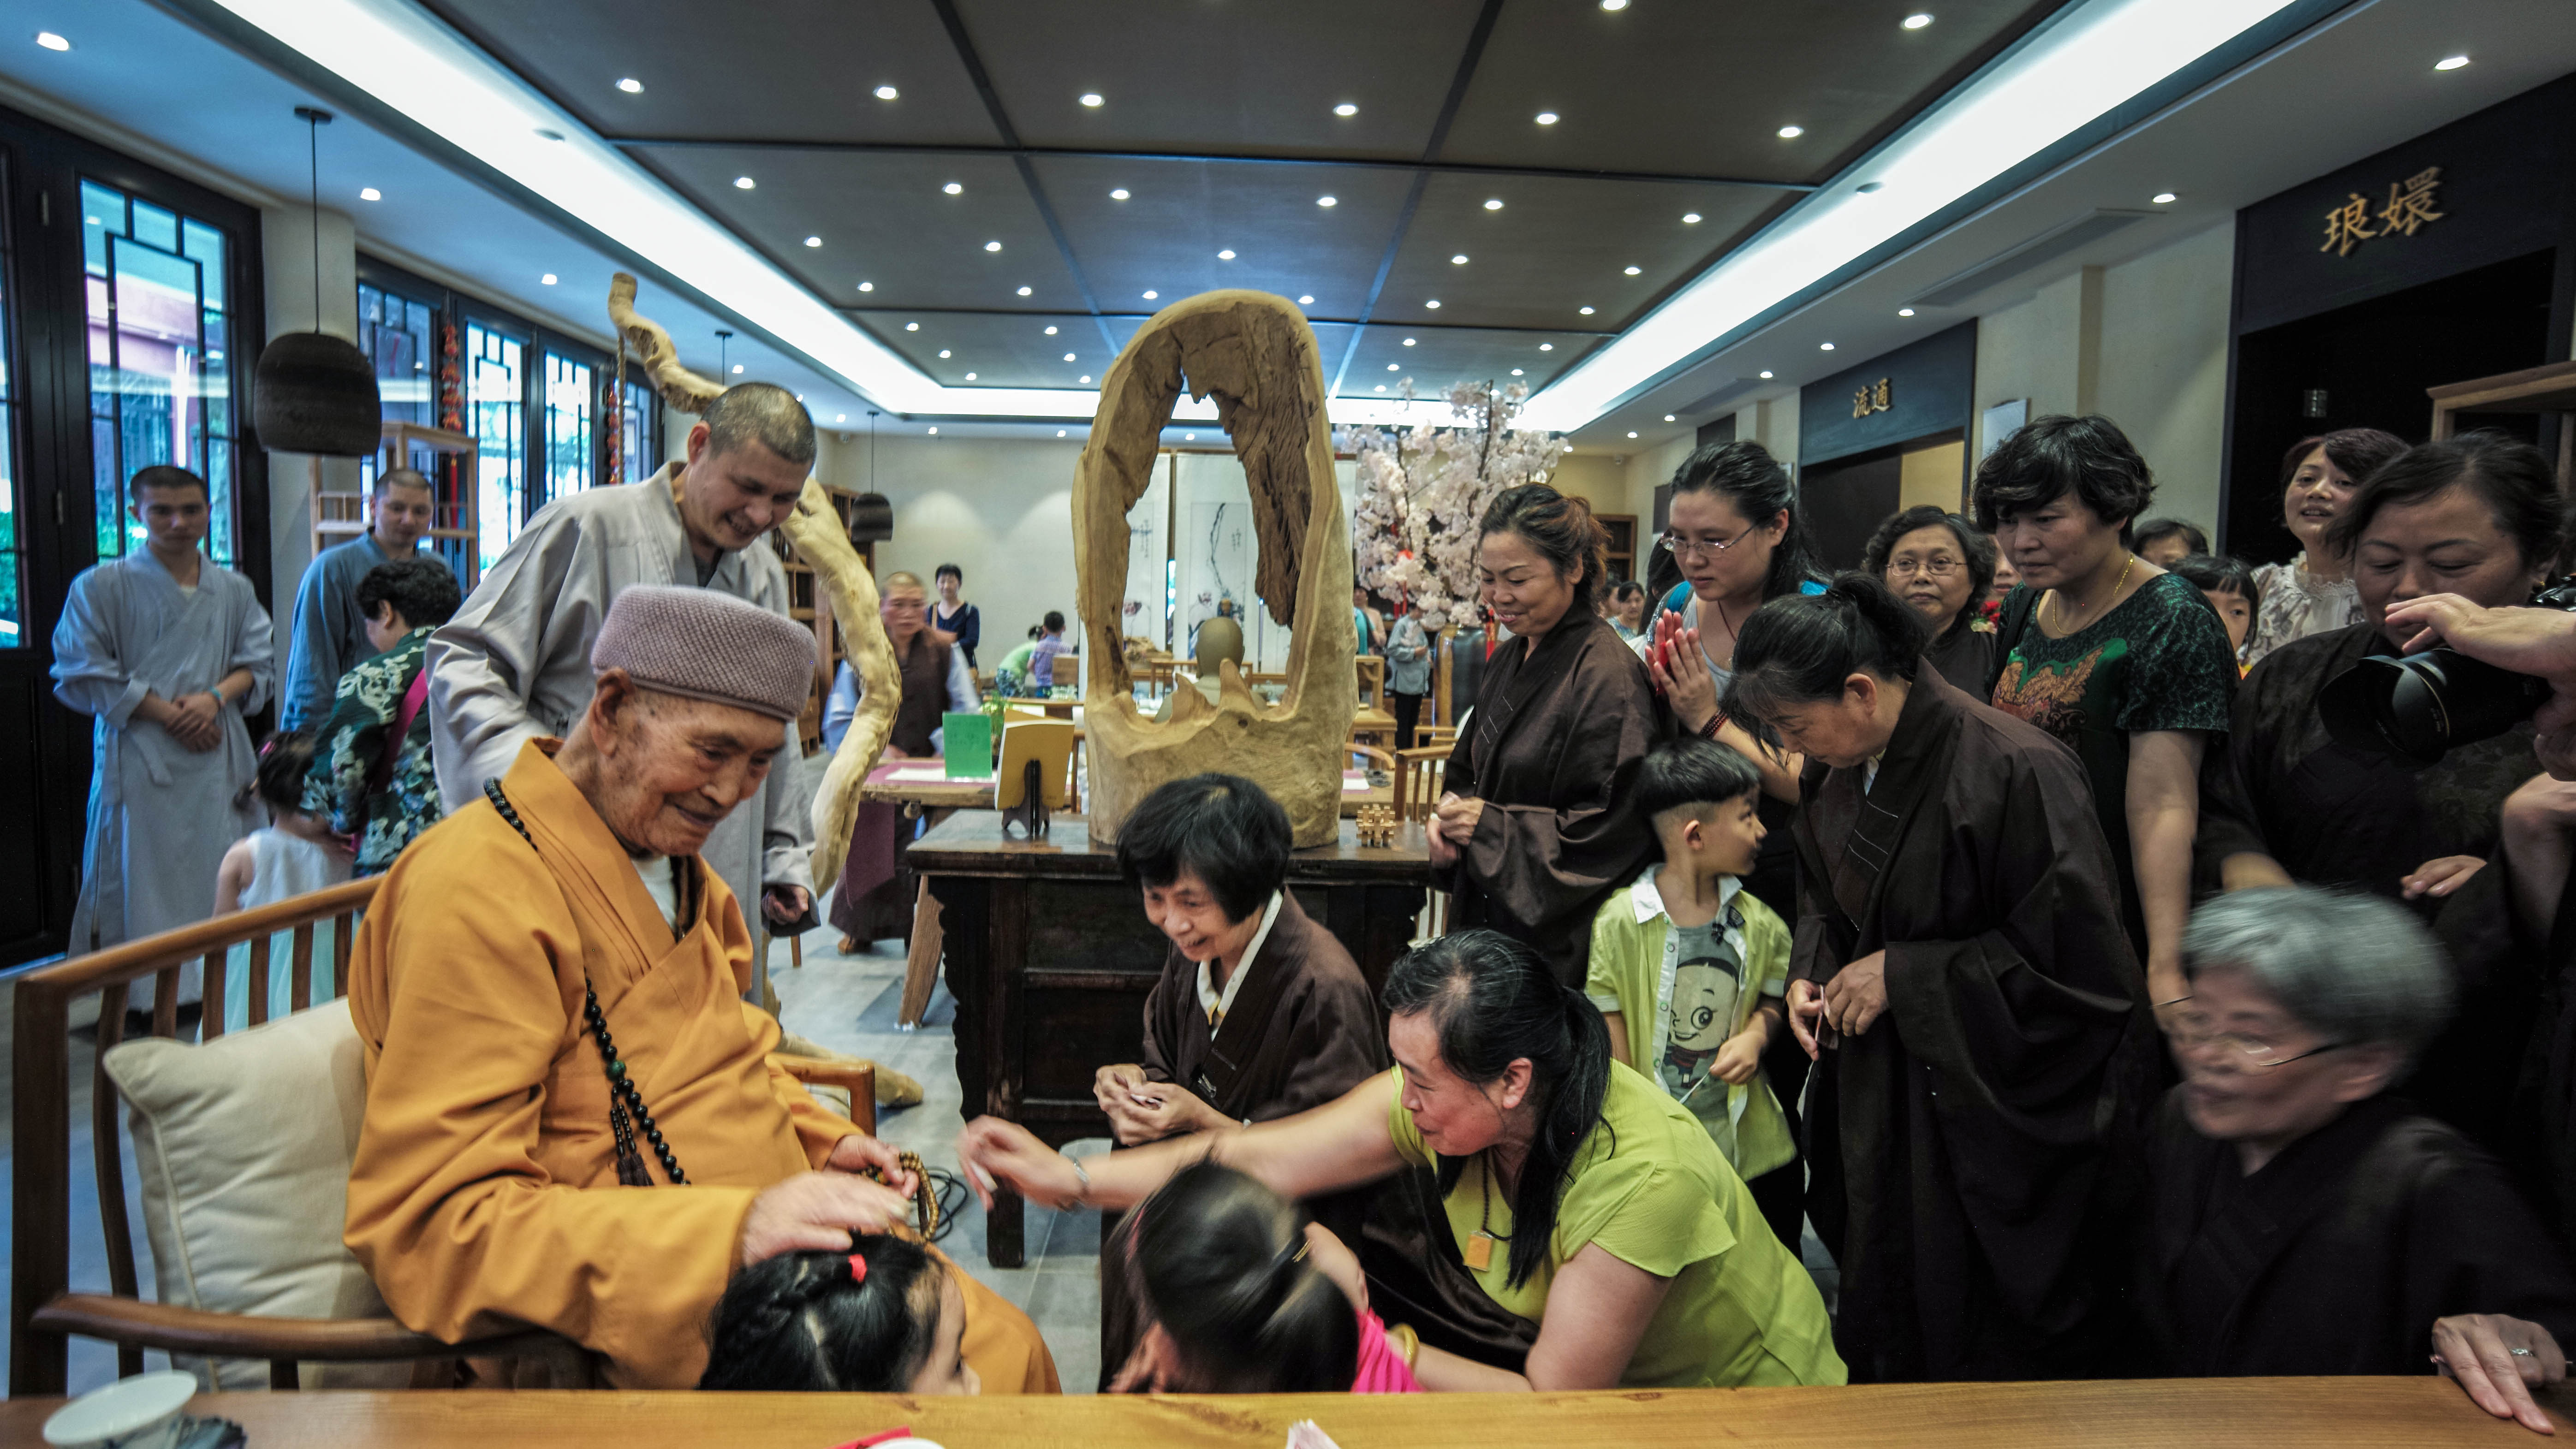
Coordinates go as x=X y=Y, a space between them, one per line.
x=137 y=1413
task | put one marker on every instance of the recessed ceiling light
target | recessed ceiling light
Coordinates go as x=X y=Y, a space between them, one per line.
x=943 y=353
x=1493 y=203
x=867 y=286
x=1668 y=417
x=1189 y=437
x=1631 y=271
x=955 y=188
x=2451 y=62
x=737 y=367
x=1118 y=194
x=1545 y=118
x=1870 y=188
x=1586 y=311
x=1391 y=367
x=1766 y=372
x=1151 y=294
x=840 y=417
x=1824 y=347
x=549 y=135
x=1547 y=347
x=1226 y=255
x=813 y=241
x=548 y=279
x=2165 y=198
x=1904 y=311
x=744 y=183
x=1050 y=330
x=800 y=397
x=1632 y=432
x=369 y=193
x=912 y=327
x=1346 y=109
x=1327 y=201
x=1459 y=260
x=1433 y=304
x=1024 y=291
x=1792 y=133
x=934 y=432
x=887 y=93
x=1614 y=4
x=1381 y=387
x=1068 y=357
x=970 y=377
x=1408 y=342
x=1916 y=21
x=51 y=41
x=1086 y=377
x=1307 y=300
x=1059 y=432
x=1516 y=372
x=1090 y=98
x=631 y=86
x=992 y=246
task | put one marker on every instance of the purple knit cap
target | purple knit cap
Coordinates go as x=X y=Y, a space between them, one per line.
x=707 y=645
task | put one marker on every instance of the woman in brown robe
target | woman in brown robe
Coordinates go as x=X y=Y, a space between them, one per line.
x=875 y=898
x=1531 y=832
x=1967 y=1154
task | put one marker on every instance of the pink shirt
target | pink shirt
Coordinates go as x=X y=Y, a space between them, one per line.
x=1382 y=1369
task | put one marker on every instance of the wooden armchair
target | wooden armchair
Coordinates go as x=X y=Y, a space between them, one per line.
x=43 y=1313
x=1417 y=781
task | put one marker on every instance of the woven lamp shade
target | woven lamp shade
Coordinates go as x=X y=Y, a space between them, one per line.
x=871 y=518
x=316 y=393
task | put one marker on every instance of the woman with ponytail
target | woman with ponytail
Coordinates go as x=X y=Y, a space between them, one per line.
x=1972 y=1154
x=1533 y=831
x=887 y=1317
x=1578 y=1195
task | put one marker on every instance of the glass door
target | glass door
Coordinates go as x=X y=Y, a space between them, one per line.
x=159 y=377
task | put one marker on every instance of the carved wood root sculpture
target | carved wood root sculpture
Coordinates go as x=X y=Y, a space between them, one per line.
x=824 y=546
x=1254 y=353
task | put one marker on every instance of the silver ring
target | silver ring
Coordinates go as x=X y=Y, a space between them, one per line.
x=2519 y=1352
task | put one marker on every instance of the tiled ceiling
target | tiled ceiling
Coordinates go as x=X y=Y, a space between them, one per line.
x=1217 y=119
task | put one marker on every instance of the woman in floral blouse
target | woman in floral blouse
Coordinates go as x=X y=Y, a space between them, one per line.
x=1941 y=565
x=2313 y=593
x=371 y=773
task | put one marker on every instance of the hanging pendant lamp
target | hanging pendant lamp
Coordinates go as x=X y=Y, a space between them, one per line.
x=871 y=516
x=313 y=392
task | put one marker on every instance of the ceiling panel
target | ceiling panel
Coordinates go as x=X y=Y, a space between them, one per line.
x=1688 y=87
x=1555 y=247
x=1230 y=78
x=1435 y=357
x=1019 y=351
x=1179 y=215
x=803 y=70
x=885 y=219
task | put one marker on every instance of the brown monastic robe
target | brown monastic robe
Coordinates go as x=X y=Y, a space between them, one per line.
x=484 y=1196
x=1973 y=1152
x=1551 y=749
x=877 y=889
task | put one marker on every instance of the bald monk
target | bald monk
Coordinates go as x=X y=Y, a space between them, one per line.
x=503 y=1115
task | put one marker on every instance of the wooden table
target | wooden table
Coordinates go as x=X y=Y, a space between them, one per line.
x=2408 y=1413
x=975 y=792
x=1055 y=708
x=1050 y=957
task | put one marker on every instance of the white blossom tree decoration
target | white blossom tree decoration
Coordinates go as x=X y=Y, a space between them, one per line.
x=1423 y=488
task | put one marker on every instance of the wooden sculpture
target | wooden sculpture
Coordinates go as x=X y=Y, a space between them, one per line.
x=1255 y=355
x=815 y=529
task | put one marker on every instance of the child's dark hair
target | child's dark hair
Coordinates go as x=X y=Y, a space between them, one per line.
x=1692 y=774
x=2154 y=530
x=802 y=1322
x=283 y=763
x=2214 y=574
x=1221 y=1261
x=423 y=590
x=1801 y=648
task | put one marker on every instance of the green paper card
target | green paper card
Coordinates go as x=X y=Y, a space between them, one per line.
x=968 y=740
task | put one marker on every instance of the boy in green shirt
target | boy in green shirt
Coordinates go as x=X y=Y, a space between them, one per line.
x=1689 y=971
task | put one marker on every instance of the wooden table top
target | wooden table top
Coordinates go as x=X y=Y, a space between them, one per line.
x=2355 y=1413
x=971 y=842
x=972 y=792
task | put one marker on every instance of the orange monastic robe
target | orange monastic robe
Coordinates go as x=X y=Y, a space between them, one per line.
x=485 y=1195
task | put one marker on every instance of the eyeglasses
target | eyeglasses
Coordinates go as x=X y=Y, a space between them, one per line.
x=1677 y=546
x=2251 y=1052
x=1939 y=566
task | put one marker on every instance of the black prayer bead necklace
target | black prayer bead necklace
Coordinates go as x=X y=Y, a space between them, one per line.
x=623 y=1095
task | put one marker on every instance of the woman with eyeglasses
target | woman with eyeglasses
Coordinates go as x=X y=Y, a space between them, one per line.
x=1940 y=565
x=2301 y=1221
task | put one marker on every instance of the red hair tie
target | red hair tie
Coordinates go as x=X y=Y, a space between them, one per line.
x=858 y=1268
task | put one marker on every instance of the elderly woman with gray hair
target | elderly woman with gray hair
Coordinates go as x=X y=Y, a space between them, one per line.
x=2304 y=1222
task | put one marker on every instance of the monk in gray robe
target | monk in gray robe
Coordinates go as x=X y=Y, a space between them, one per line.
x=330 y=630
x=514 y=664
x=167 y=652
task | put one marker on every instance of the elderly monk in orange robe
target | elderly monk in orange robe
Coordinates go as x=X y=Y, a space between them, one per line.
x=572 y=1119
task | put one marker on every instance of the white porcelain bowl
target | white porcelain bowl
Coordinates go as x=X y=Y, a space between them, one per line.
x=137 y=1413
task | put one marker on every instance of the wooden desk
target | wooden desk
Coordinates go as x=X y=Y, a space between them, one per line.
x=1050 y=958
x=2408 y=1413
x=1055 y=708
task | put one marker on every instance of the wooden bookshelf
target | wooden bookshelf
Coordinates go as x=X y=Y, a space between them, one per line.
x=448 y=461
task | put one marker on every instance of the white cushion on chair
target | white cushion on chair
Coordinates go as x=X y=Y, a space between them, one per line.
x=243 y=1147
